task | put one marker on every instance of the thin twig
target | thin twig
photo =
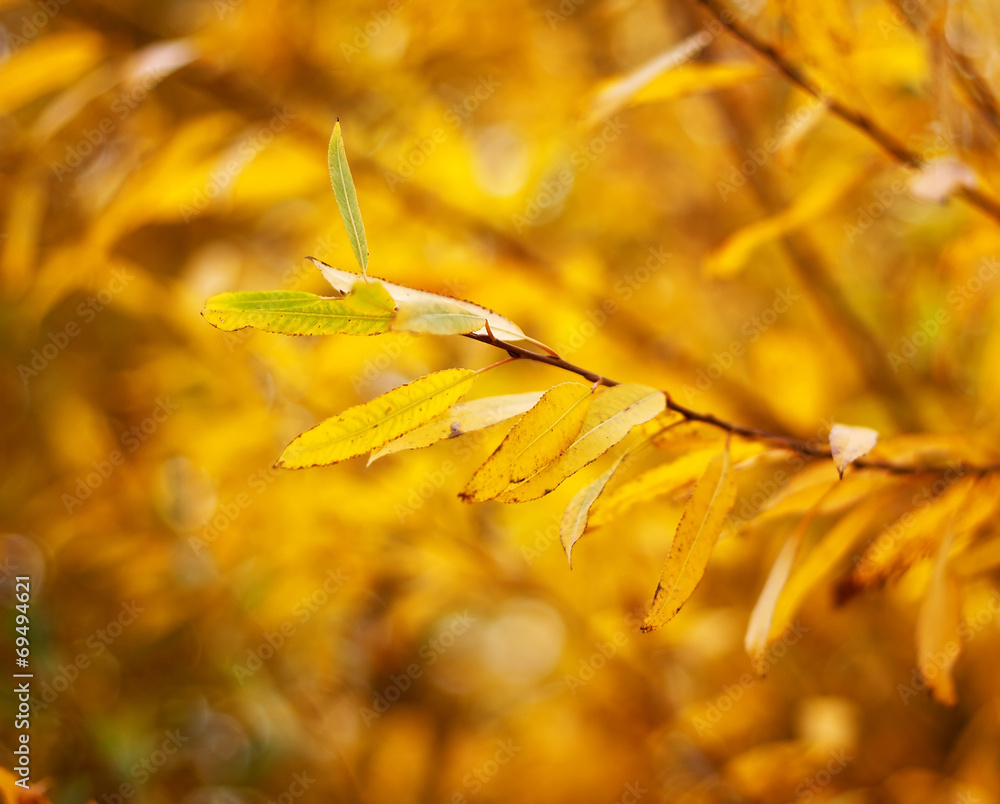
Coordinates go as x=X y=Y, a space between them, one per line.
x=892 y=146
x=799 y=445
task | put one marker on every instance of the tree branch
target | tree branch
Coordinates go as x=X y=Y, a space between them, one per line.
x=803 y=447
x=897 y=150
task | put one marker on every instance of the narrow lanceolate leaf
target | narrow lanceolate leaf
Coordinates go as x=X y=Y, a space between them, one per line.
x=462 y=419
x=503 y=328
x=369 y=426
x=577 y=513
x=612 y=414
x=850 y=443
x=824 y=559
x=938 y=624
x=347 y=197
x=759 y=628
x=755 y=641
x=663 y=479
x=367 y=310
x=697 y=533
x=436 y=317
x=540 y=436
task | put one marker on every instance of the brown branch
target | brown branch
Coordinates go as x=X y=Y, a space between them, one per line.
x=888 y=143
x=799 y=445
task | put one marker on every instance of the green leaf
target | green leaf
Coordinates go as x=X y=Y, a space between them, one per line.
x=347 y=197
x=369 y=426
x=367 y=310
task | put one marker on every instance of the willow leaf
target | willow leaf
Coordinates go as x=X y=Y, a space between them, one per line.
x=539 y=436
x=369 y=426
x=698 y=531
x=347 y=197
x=612 y=414
x=367 y=310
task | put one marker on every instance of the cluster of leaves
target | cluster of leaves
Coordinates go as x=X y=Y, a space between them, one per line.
x=555 y=434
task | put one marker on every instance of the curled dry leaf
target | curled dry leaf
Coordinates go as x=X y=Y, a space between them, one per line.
x=850 y=443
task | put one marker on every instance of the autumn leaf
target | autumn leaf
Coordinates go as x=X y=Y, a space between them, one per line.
x=366 y=310
x=698 y=531
x=823 y=559
x=850 y=443
x=374 y=424
x=503 y=328
x=347 y=197
x=461 y=419
x=577 y=514
x=938 y=641
x=540 y=436
x=436 y=317
x=612 y=414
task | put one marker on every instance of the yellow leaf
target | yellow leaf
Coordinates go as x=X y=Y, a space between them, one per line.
x=373 y=424
x=938 y=642
x=612 y=414
x=367 y=310
x=850 y=443
x=461 y=419
x=53 y=62
x=664 y=479
x=539 y=436
x=697 y=533
x=436 y=317
x=823 y=560
x=693 y=78
x=577 y=513
x=617 y=92
x=759 y=628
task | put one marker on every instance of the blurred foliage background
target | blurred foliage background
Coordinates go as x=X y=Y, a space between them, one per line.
x=629 y=183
